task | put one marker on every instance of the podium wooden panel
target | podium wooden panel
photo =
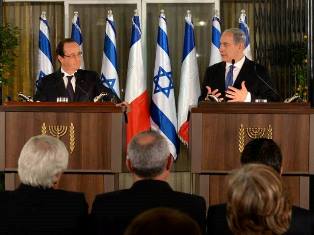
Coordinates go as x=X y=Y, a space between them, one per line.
x=94 y=137
x=220 y=130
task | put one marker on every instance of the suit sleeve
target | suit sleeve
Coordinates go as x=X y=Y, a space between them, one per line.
x=40 y=94
x=204 y=84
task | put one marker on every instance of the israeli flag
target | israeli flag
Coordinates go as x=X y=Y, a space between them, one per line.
x=44 y=54
x=245 y=28
x=163 y=108
x=215 y=56
x=76 y=34
x=109 y=73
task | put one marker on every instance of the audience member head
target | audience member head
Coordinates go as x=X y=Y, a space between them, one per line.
x=69 y=55
x=42 y=160
x=232 y=44
x=257 y=202
x=264 y=151
x=163 y=221
x=149 y=156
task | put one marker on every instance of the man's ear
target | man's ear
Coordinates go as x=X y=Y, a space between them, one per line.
x=60 y=58
x=128 y=164
x=169 y=162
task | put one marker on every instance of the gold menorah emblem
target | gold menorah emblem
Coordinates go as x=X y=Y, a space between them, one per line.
x=254 y=133
x=60 y=130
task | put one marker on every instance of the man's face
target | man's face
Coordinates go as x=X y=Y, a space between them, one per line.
x=228 y=49
x=71 y=61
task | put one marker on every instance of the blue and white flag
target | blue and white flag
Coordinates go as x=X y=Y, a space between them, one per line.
x=44 y=54
x=109 y=68
x=189 y=83
x=215 y=56
x=76 y=34
x=245 y=28
x=163 y=109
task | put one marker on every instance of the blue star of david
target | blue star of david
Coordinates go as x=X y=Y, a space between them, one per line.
x=108 y=82
x=158 y=88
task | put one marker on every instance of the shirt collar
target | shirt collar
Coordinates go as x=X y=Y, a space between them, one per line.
x=66 y=74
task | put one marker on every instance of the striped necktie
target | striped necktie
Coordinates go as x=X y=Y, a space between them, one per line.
x=229 y=78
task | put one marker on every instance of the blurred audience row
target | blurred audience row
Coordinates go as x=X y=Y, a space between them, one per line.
x=257 y=201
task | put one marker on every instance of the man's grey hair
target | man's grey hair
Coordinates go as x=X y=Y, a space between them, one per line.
x=238 y=35
x=148 y=153
x=41 y=159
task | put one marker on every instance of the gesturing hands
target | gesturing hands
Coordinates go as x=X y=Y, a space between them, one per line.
x=237 y=95
x=215 y=93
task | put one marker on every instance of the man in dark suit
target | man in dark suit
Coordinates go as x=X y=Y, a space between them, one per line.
x=70 y=81
x=36 y=206
x=149 y=161
x=237 y=79
x=263 y=151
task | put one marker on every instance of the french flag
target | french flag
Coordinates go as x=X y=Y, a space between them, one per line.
x=190 y=84
x=136 y=90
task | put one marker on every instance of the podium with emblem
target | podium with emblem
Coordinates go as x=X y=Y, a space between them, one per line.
x=92 y=132
x=219 y=132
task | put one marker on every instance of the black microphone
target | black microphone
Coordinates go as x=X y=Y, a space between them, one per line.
x=233 y=62
x=262 y=80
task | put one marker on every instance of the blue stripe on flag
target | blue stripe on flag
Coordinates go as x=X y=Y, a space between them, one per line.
x=216 y=37
x=76 y=33
x=243 y=27
x=112 y=25
x=189 y=42
x=165 y=125
x=136 y=30
x=110 y=51
x=44 y=45
x=44 y=21
x=162 y=40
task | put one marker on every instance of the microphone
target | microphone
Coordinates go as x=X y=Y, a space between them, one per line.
x=25 y=98
x=265 y=83
x=100 y=96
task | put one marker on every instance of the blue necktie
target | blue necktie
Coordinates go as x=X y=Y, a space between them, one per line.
x=70 y=89
x=229 y=78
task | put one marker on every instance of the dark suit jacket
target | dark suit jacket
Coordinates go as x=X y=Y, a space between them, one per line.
x=4 y=212
x=87 y=86
x=302 y=221
x=112 y=212
x=34 y=210
x=250 y=72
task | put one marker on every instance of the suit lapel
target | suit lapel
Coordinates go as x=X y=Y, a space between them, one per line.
x=61 y=91
x=243 y=74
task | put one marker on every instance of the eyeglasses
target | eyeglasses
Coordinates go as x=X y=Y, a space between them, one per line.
x=72 y=56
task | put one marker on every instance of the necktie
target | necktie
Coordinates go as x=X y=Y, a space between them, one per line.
x=229 y=78
x=70 y=89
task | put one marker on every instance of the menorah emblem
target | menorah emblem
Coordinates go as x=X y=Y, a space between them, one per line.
x=253 y=133
x=60 y=130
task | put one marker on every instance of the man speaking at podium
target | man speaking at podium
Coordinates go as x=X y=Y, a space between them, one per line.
x=236 y=78
x=70 y=81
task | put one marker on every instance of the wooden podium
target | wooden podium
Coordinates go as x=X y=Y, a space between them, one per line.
x=92 y=132
x=219 y=131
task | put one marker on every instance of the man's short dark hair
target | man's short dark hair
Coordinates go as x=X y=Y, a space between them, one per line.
x=264 y=151
x=60 y=46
